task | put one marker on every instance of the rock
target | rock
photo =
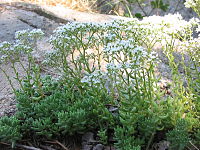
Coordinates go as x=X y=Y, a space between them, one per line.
x=162 y=145
x=1 y=97
x=9 y=25
x=113 y=109
x=98 y=147
x=13 y=19
x=88 y=137
x=87 y=147
x=11 y=110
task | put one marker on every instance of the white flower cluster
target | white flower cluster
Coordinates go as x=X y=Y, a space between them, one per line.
x=128 y=49
x=118 y=24
x=21 y=48
x=52 y=56
x=35 y=33
x=74 y=34
x=12 y=51
x=192 y=45
x=77 y=26
x=137 y=63
x=114 y=24
x=136 y=57
x=198 y=29
x=190 y=3
x=21 y=33
x=109 y=37
x=121 y=40
x=94 y=78
x=119 y=45
x=4 y=46
x=169 y=24
x=3 y=58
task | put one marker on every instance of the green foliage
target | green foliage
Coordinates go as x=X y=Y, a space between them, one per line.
x=10 y=130
x=125 y=140
x=159 y=4
x=139 y=15
x=154 y=4
x=179 y=136
x=102 y=133
x=63 y=111
x=108 y=83
x=147 y=126
x=197 y=136
x=72 y=121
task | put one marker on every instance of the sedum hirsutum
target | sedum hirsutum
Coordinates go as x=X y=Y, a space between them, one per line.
x=110 y=65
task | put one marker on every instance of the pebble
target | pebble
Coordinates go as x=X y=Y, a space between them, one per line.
x=98 y=147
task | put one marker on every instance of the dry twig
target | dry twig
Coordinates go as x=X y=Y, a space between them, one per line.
x=27 y=147
x=65 y=148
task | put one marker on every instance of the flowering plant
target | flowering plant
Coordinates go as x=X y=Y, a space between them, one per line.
x=110 y=80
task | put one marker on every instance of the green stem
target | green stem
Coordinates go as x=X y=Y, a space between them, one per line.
x=17 y=75
x=150 y=140
x=8 y=78
x=141 y=8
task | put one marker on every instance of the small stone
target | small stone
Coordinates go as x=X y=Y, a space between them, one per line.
x=162 y=145
x=87 y=147
x=88 y=137
x=113 y=109
x=98 y=147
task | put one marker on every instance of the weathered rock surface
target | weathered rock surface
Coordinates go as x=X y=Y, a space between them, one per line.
x=13 y=19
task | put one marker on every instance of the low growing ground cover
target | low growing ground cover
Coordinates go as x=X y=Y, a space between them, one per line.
x=108 y=84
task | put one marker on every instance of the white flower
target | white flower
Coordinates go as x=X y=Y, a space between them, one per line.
x=36 y=33
x=4 y=44
x=3 y=58
x=94 y=78
x=198 y=29
x=138 y=49
x=21 y=33
x=119 y=45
